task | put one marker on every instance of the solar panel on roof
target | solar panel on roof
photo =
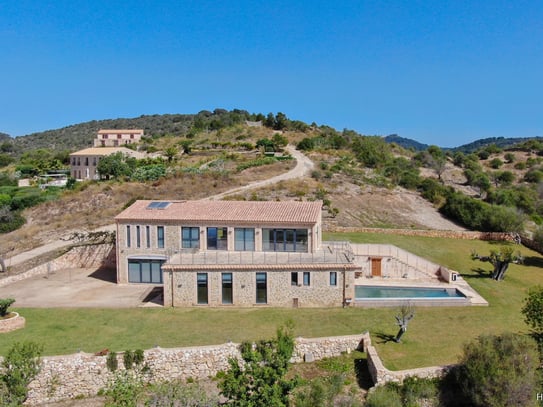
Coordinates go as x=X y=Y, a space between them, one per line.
x=157 y=205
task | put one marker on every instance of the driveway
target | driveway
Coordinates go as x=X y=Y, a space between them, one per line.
x=83 y=287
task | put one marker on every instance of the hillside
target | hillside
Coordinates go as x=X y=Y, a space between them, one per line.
x=79 y=136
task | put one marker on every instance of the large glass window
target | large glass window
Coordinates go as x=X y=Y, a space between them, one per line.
x=202 y=288
x=128 y=236
x=244 y=239
x=160 y=237
x=261 y=289
x=284 y=240
x=227 y=297
x=190 y=237
x=217 y=239
x=145 y=271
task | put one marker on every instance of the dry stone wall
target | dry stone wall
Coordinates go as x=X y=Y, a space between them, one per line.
x=381 y=375
x=83 y=374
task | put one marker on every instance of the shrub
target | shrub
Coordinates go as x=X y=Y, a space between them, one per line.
x=384 y=396
x=111 y=361
x=179 y=394
x=496 y=163
x=10 y=220
x=499 y=371
x=20 y=366
x=5 y=303
x=306 y=144
x=533 y=313
x=261 y=380
x=124 y=390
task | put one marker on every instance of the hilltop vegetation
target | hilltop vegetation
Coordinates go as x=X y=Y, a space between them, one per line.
x=362 y=180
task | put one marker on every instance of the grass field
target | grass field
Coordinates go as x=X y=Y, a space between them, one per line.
x=435 y=335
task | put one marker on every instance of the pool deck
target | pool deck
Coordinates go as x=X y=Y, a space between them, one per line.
x=472 y=297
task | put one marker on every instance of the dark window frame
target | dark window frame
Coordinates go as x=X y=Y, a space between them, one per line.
x=202 y=289
x=261 y=288
x=193 y=239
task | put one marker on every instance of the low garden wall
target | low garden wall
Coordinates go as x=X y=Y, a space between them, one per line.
x=13 y=323
x=381 y=375
x=100 y=255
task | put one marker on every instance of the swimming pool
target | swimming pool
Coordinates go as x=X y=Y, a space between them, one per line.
x=363 y=292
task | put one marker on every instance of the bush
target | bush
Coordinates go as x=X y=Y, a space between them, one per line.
x=4 y=305
x=496 y=163
x=533 y=313
x=261 y=380
x=20 y=366
x=10 y=220
x=179 y=394
x=384 y=396
x=497 y=371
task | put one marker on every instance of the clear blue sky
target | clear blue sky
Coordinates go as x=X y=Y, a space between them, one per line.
x=440 y=72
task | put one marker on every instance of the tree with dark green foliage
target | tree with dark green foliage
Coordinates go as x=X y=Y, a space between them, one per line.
x=261 y=379
x=306 y=144
x=21 y=364
x=498 y=371
x=115 y=166
x=533 y=314
x=372 y=151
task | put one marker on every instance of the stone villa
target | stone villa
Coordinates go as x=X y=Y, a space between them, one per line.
x=240 y=253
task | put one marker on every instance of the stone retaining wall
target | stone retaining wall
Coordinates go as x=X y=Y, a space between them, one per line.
x=102 y=255
x=448 y=234
x=381 y=375
x=13 y=323
x=83 y=374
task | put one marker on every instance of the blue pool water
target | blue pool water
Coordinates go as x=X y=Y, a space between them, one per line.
x=374 y=292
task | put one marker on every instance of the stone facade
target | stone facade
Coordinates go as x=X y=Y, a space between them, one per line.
x=280 y=290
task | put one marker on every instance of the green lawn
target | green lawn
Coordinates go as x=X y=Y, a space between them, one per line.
x=435 y=335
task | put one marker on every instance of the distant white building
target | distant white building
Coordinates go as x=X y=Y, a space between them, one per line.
x=117 y=137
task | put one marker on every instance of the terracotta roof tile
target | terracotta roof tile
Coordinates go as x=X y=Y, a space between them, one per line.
x=226 y=212
x=120 y=131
